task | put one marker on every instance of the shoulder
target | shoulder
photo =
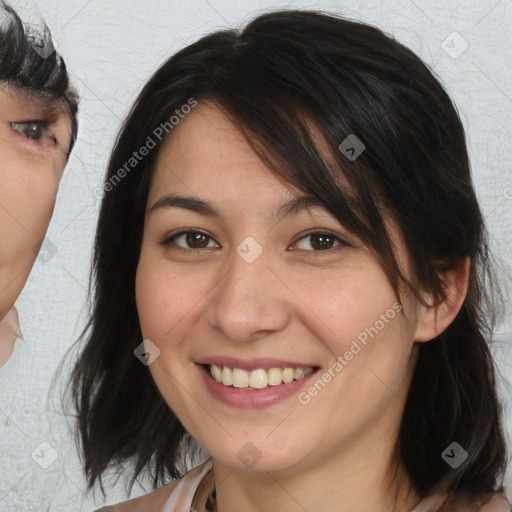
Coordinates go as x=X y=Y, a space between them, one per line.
x=182 y=491
x=490 y=502
x=494 y=502
x=147 y=503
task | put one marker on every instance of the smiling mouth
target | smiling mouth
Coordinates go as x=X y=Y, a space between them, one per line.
x=256 y=379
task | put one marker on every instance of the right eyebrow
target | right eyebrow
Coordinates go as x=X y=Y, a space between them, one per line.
x=291 y=207
x=188 y=203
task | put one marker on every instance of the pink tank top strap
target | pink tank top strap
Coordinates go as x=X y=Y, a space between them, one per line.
x=181 y=498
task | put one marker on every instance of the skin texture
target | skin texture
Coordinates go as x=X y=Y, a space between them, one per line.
x=31 y=166
x=294 y=302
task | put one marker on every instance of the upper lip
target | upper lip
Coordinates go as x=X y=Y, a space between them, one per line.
x=253 y=364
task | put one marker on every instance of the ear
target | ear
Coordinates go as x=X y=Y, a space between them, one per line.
x=433 y=320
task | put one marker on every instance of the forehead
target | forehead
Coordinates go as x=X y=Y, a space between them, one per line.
x=206 y=131
x=206 y=148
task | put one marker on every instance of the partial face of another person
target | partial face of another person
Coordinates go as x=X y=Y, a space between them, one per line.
x=233 y=285
x=34 y=140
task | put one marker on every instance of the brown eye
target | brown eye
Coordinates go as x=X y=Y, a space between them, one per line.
x=318 y=242
x=190 y=240
x=322 y=241
x=196 y=240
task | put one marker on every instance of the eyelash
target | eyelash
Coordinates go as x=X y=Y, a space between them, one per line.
x=22 y=127
x=170 y=239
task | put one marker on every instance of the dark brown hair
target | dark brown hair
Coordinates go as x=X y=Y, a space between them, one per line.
x=22 y=67
x=284 y=72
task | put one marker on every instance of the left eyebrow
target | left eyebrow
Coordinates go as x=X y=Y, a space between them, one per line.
x=49 y=108
x=290 y=208
x=297 y=205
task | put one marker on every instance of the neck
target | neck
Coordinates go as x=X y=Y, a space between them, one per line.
x=359 y=483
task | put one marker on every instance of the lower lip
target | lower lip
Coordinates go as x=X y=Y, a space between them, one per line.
x=249 y=398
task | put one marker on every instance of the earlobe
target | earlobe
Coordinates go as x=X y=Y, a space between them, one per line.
x=432 y=320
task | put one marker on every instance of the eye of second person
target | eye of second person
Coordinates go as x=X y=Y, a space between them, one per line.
x=31 y=130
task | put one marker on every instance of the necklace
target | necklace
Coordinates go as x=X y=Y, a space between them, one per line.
x=210 y=501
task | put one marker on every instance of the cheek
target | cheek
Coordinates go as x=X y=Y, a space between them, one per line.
x=165 y=299
x=27 y=197
x=150 y=302
x=346 y=302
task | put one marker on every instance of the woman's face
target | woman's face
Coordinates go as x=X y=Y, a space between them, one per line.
x=34 y=139
x=230 y=276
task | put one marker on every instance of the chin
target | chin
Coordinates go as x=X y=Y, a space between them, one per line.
x=258 y=459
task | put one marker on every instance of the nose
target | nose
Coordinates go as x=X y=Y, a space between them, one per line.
x=249 y=302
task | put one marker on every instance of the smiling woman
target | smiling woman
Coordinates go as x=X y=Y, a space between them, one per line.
x=293 y=236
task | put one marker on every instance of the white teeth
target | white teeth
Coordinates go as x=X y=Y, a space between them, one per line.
x=256 y=379
x=217 y=373
x=298 y=373
x=274 y=376
x=227 y=376
x=240 y=378
x=288 y=374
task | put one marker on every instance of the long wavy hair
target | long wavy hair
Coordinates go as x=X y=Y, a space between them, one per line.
x=283 y=73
